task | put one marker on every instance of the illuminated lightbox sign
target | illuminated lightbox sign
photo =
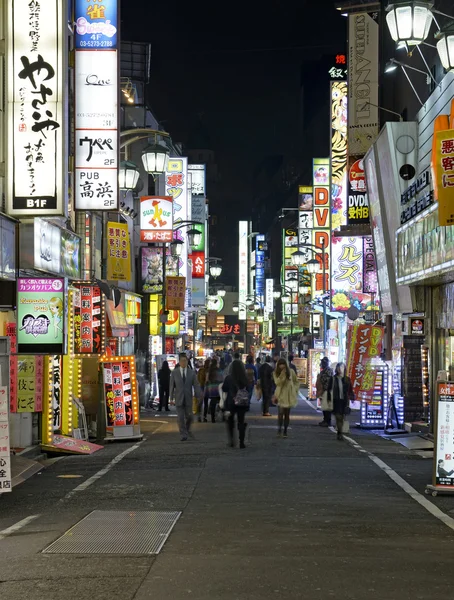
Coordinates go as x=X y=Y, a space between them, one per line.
x=96 y=136
x=96 y=24
x=40 y=316
x=156 y=219
x=37 y=37
x=198 y=180
x=243 y=268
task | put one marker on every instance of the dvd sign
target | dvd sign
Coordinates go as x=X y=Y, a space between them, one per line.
x=358 y=202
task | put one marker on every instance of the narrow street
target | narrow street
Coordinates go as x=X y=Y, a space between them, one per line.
x=303 y=517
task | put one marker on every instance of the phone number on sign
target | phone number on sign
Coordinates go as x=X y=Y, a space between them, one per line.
x=89 y=44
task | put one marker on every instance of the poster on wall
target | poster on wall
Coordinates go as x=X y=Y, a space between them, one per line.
x=70 y=254
x=152 y=269
x=36 y=45
x=444 y=459
x=40 y=316
x=87 y=320
x=119 y=252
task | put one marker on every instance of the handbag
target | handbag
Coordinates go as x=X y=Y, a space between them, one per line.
x=222 y=396
x=345 y=426
x=258 y=392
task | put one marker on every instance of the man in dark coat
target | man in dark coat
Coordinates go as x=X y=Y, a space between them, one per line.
x=266 y=385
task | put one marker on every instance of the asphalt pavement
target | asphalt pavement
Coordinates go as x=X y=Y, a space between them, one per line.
x=304 y=517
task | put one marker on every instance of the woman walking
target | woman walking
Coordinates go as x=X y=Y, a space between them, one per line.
x=214 y=380
x=342 y=392
x=323 y=391
x=237 y=401
x=164 y=386
x=286 y=394
x=202 y=375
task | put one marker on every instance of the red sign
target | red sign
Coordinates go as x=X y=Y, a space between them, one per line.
x=118 y=393
x=366 y=343
x=11 y=333
x=87 y=320
x=69 y=444
x=198 y=265
x=230 y=329
x=156 y=236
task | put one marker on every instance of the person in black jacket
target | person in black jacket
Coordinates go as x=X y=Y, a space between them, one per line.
x=233 y=383
x=342 y=392
x=164 y=385
x=266 y=385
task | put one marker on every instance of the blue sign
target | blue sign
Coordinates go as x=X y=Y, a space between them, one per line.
x=260 y=266
x=96 y=24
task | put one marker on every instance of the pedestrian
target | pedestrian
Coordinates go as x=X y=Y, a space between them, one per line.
x=237 y=401
x=266 y=385
x=258 y=363
x=214 y=379
x=251 y=374
x=202 y=375
x=291 y=365
x=286 y=394
x=164 y=386
x=183 y=386
x=323 y=391
x=342 y=392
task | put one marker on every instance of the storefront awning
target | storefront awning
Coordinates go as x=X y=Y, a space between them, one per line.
x=117 y=319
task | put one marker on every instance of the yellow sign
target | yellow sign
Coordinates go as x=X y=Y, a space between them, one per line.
x=173 y=318
x=118 y=252
x=175 y=293
x=443 y=168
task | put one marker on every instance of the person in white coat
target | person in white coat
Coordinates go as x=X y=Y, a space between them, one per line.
x=286 y=394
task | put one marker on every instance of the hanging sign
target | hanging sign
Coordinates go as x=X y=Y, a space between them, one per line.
x=358 y=201
x=156 y=219
x=37 y=38
x=119 y=252
x=55 y=367
x=40 y=316
x=96 y=83
x=322 y=227
x=365 y=345
x=87 y=320
x=175 y=293
x=443 y=167
x=5 y=453
x=96 y=24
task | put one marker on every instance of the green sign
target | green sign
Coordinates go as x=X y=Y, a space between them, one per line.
x=40 y=316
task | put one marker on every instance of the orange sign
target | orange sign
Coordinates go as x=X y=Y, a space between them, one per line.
x=366 y=342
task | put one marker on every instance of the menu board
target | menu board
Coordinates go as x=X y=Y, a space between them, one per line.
x=444 y=463
x=412 y=377
x=118 y=393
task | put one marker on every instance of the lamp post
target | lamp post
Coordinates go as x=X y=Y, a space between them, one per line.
x=194 y=236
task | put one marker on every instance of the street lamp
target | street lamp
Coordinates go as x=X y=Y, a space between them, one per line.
x=176 y=247
x=128 y=175
x=215 y=270
x=409 y=21
x=276 y=294
x=445 y=47
x=298 y=258
x=221 y=293
x=313 y=266
x=194 y=237
x=154 y=158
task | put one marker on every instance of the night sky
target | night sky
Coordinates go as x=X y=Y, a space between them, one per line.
x=238 y=70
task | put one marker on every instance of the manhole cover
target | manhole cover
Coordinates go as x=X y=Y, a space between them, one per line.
x=117 y=532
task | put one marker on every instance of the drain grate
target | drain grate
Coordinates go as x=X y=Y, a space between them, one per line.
x=117 y=532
